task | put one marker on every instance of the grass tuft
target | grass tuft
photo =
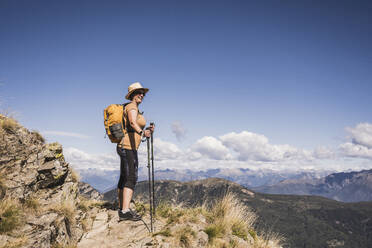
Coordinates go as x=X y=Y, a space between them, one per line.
x=268 y=240
x=10 y=215
x=67 y=209
x=75 y=176
x=38 y=136
x=184 y=236
x=166 y=233
x=2 y=186
x=173 y=214
x=229 y=216
x=9 y=125
x=32 y=204
x=86 y=204
x=141 y=208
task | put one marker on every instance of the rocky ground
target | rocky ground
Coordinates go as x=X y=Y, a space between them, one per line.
x=107 y=231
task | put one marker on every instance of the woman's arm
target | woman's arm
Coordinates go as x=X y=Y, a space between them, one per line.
x=132 y=116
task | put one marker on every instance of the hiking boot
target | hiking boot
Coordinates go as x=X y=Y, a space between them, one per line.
x=134 y=212
x=129 y=215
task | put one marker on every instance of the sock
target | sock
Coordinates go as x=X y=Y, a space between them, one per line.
x=124 y=210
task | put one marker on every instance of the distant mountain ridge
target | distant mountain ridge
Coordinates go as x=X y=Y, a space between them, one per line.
x=106 y=180
x=344 y=186
x=305 y=221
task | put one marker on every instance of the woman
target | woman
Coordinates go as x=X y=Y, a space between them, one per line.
x=127 y=149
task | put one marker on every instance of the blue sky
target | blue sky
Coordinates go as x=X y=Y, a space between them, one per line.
x=296 y=72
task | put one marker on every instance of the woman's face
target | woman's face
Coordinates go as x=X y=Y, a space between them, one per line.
x=138 y=96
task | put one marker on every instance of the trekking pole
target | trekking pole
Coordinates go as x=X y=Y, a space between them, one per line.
x=152 y=166
x=150 y=192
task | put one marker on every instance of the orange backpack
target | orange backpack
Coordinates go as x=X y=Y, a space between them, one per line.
x=114 y=122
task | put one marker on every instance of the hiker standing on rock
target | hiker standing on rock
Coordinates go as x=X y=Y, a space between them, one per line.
x=127 y=149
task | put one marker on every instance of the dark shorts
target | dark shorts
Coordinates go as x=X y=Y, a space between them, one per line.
x=128 y=168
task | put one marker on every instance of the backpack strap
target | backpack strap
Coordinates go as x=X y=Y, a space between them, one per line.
x=125 y=125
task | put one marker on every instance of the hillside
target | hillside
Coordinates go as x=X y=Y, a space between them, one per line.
x=305 y=221
x=344 y=186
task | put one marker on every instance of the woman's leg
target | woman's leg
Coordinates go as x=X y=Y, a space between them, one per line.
x=127 y=195
x=123 y=175
x=131 y=178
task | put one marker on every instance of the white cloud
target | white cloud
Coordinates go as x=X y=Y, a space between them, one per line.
x=66 y=134
x=361 y=134
x=210 y=147
x=81 y=160
x=178 y=130
x=256 y=147
x=322 y=152
x=360 y=145
x=164 y=150
x=352 y=150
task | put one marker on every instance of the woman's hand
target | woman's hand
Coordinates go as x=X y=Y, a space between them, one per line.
x=147 y=133
x=150 y=129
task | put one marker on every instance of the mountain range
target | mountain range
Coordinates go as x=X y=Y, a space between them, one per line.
x=344 y=186
x=305 y=221
x=106 y=180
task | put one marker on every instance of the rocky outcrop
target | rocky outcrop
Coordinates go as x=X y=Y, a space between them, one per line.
x=89 y=192
x=41 y=185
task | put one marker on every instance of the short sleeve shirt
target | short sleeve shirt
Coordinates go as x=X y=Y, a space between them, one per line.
x=132 y=139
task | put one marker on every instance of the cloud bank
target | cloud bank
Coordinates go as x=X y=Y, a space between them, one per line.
x=243 y=150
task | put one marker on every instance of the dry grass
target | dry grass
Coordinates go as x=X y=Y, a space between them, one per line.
x=75 y=176
x=173 y=214
x=16 y=243
x=9 y=125
x=141 y=208
x=178 y=214
x=32 y=204
x=269 y=240
x=227 y=223
x=10 y=214
x=183 y=236
x=2 y=186
x=85 y=224
x=67 y=209
x=165 y=232
x=56 y=245
x=86 y=204
x=38 y=136
x=229 y=216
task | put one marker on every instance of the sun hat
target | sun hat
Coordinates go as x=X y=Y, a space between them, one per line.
x=133 y=87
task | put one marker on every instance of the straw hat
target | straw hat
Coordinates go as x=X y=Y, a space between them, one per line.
x=133 y=87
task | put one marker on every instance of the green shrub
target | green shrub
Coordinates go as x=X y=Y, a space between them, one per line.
x=215 y=230
x=240 y=230
x=253 y=234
